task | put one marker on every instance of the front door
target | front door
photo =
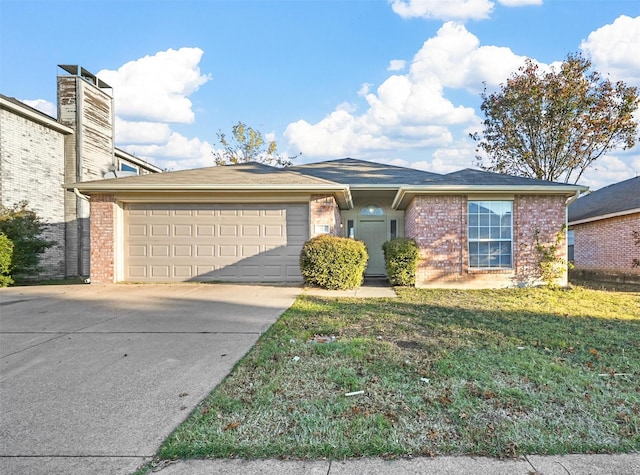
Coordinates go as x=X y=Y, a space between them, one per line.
x=374 y=234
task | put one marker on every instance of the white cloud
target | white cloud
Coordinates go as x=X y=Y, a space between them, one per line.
x=443 y=10
x=411 y=111
x=43 y=106
x=614 y=49
x=135 y=132
x=397 y=65
x=177 y=153
x=156 y=88
x=455 y=56
x=519 y=3
x=364 y=89
x=152 y=92
x=611 y=169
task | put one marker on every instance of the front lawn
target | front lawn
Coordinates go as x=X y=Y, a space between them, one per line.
x=497 y=373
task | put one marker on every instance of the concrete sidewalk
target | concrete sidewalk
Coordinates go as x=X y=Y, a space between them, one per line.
x=626 y=464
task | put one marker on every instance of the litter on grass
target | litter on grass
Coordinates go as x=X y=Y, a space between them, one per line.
x=322 y=339
x=354 y=393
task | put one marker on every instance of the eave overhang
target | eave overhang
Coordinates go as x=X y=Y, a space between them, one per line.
x=604 y=216
x=406 y=193
x=342 y=193
x=37 y=117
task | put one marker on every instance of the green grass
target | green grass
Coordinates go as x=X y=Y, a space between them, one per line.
x=492 y=372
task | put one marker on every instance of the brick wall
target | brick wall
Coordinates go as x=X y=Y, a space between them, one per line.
x=324 y=210
x=103 y=239
x=32 y=169
x=546 y=215
x=439 y=226
x=607 y=245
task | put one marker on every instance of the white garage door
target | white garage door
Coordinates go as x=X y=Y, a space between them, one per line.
x=204 y=242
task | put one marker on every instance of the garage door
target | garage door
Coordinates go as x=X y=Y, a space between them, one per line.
x=204 y=242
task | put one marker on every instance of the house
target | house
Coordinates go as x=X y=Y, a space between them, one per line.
x=39 y=153
x=602 y=226
x=248 y=222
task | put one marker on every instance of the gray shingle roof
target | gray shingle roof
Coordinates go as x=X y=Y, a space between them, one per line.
x=469 y=176
x=359 y=172
x=346 y=172
x=248 y=174
x=616 y=198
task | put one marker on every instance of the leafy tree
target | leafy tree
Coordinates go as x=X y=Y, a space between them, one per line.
x=554 y=125
x=248 y=145
x=24 y=228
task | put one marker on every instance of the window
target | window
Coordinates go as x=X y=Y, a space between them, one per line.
x=351 y=231
x=570 y=244
x=124 y=167
x=490 y=234
x=393 y=229
x=322 y=229
x=372 y=210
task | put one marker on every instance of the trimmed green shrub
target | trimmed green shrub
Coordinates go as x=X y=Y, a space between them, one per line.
x=333 y=262
x=6 y=253
x=401 y=260
x=24 y=228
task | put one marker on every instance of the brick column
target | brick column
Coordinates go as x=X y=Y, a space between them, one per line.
x=103 y=239
x=323 y=209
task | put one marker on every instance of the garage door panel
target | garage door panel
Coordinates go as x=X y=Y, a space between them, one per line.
x=214 y=242
x=205 y=251
x=205 y=230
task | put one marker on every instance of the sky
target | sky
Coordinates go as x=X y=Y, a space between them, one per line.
x=395 y=81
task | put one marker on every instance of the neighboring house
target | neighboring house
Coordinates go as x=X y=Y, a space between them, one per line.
x=602 y=226
x=248 y=222
x=39 y=154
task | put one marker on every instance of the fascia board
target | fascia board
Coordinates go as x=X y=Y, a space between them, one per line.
x=604 y=216
x=344 y=194
x=42 y=119
x=405 y=192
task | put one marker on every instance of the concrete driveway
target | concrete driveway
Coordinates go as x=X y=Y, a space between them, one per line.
x=93 y=378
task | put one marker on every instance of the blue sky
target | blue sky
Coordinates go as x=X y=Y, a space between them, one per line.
x=391 y=81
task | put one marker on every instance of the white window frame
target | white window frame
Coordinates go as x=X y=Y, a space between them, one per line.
x=479 y=239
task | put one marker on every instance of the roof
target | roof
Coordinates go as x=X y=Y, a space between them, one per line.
x=20 y=108
x=613 y=200
x=469 y=176
x=333 y=176
x=243 y=175
x=361 y=172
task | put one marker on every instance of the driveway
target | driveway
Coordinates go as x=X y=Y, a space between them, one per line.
x=93 y=378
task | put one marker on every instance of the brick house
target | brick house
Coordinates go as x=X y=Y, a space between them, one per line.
x=39 y=154
x=248 y=222
x=601 y=227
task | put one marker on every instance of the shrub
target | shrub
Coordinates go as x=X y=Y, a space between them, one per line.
x=401 y=260
x=333 y=262
x=24 y=228
x=552 y=267
x=6 y=253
